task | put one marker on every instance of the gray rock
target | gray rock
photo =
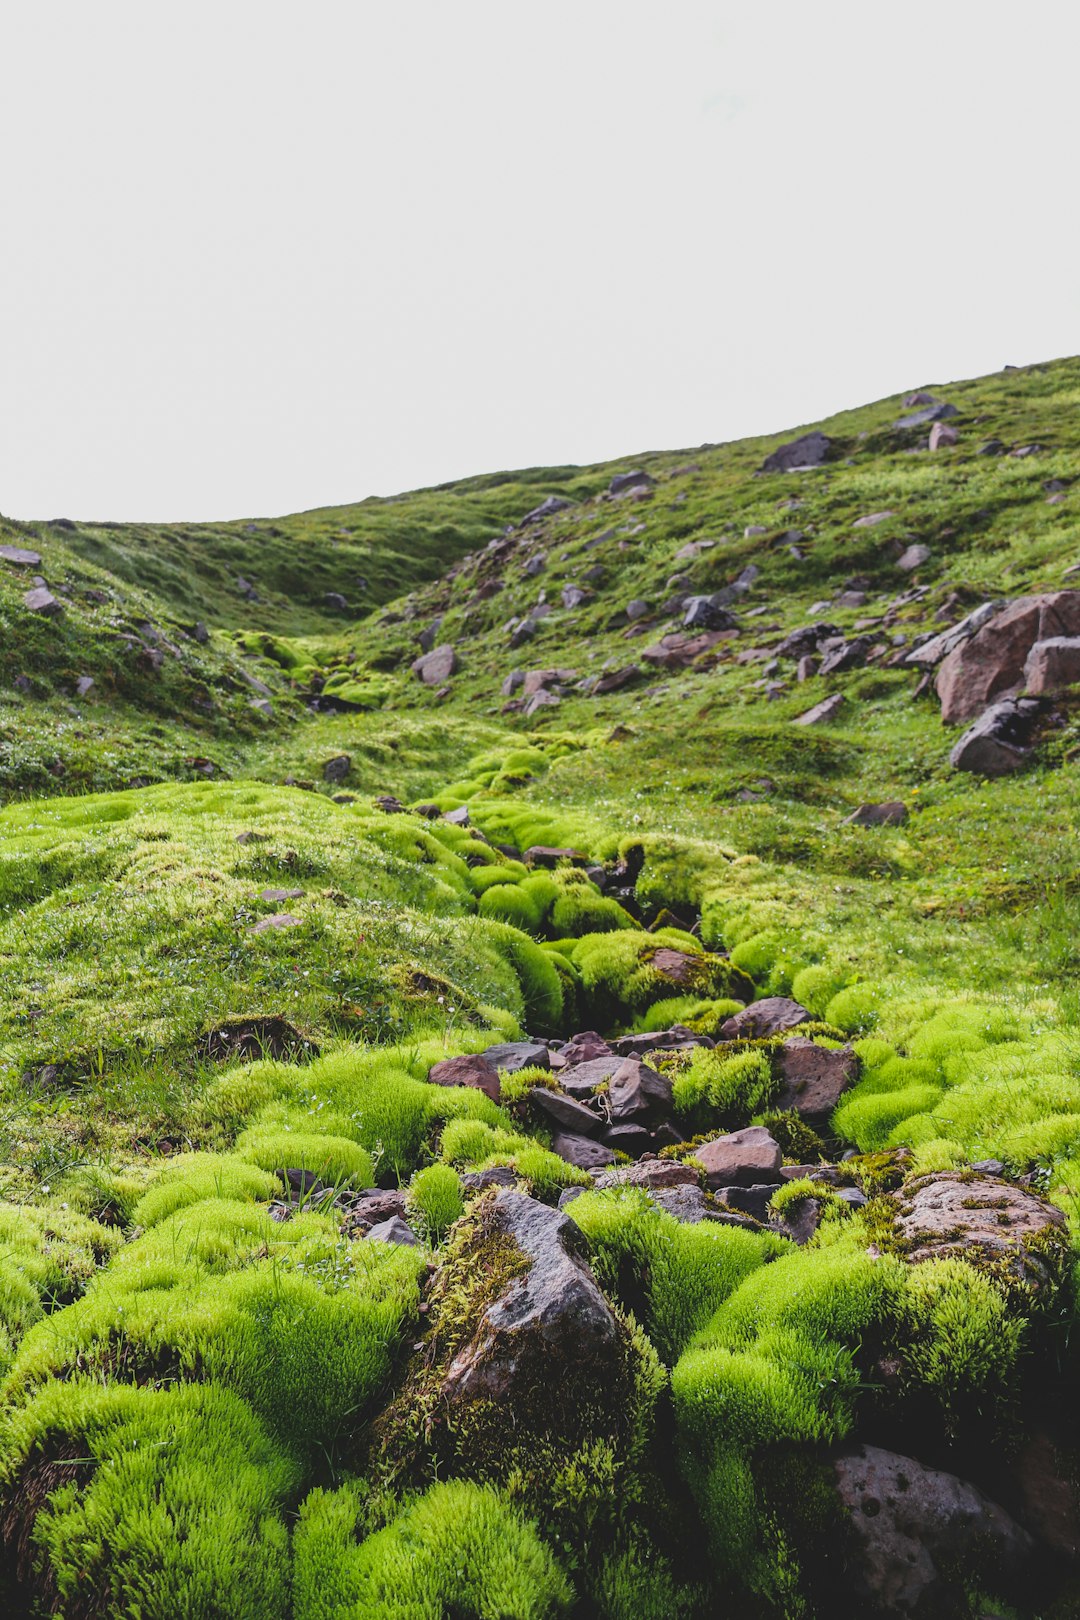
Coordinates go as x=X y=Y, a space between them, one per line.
x=918 y=1531
x=582 y=1079
x=630 y=480
x=810 y=450
x=846 y=655
x=807 y=639
x=338 y=768
x=821 y=712
x=336 y=602
x=564 y=1112
x=635 y=1090
x=923 y=418
x=914 y=557
x=628 y=1138
x=891 y=813
x=511 y=1056
x=706 y=613
x=41 y=600
x=872 y=519
x=935 y=648
x=654 y=1174
x=437 y=666
x=637 y=609
x=942 y=436
x=20 y=557
x=84 y=685
x=512 y=682
x=546 y=509
x=393 y=1231
x=687 y=1204
x=535 y=565
x=999 y=741
x=573 y=596
x=581 y=1151
x=771 y=1016
x=753 y=1200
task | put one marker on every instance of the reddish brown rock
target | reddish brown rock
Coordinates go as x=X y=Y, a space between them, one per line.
x=1052 y=664
x=813 y=1078
x=891 y=813
x=744 y=1158
x=985 y=1220
x=651 y=1173
x=771 y=1016
x=991 y=663
x=635 y=1090
x=472 y=1069
x=581 y=1151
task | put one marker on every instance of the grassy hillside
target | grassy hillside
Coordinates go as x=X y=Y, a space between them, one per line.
x=232 y=948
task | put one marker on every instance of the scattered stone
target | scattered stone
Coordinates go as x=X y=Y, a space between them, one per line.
x=984 y=1220
x=821 y=712
x=942 y=436
x=810 y=450
x=567 y=1114
x=991 y=663
x=581 y=1151
x=637 y=609
x=771 y=1016
x=655 y=1174
x=1052 y=664
x=546 y=509
x=582 y=1079
x=992 y=447
x=919 y=397
x=338 y=768
x=478 y=1181
x=20 y=557
x=437 y=666
x=891 y=813
x=369 y=1208
x=843 y=655
x=915 y=1528
x=806 y=668
x=914 y=557
x=278 y=920
x=923 y=418
x=572 y=596
x=41 y=600
x=813 y=1079
x=807 y=639
x=634 y=1090
x=998 y=742
x=745 y=1158
x=277 y=896
x=587 y=1044
x=511 y=1056
x=394 y=1230
x=336 y=602
x=627 y=1137
x=84 y=685
x=622 y=482
x=535 y=565
x=707 y=613
x=472 y=1069
x=550 y=855
x=753 y=1200
x=872 y=519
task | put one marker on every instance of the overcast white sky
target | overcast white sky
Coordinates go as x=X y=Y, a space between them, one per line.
x=259 y=256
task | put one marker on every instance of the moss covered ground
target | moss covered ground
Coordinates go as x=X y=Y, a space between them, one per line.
x=220 y=960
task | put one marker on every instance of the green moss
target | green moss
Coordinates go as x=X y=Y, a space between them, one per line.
x=435 y=1201
x=723 y=1089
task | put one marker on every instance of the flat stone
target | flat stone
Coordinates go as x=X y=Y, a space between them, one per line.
x=891 y=813
x=651 y=1173
x=872 y=519
x=742 y=1158
x=546 y=509
x=813 y=1079
x=41 y=600
x=753 y=1200
x=981 y=1219
x=394 y=1230
x=582 y=1079
x=567 y=1114
x=20 y=557
x=278 y=920
x=821 y=712
x=581 y=1151
x=923 y=418
x=687 y=1204
x=472 y=1069
x=514 y=1055
x=548 y=855
x=277 y=896
x=770 y=1016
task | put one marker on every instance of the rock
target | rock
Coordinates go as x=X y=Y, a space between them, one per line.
x=535 y=565
x=552 y=1317
x=637 y=609
x=771 y=1016
x=200 y=633
x=872 y=519
x=572 y=596
x=992 y=447
x=675 y=1039
x=808 y=451
x=806 y=668
x=706 y=613
x=1052 y=664
x=813 y=1079
x=84 y=685
x=546 y=509
x=807 y=639
x=984 y=1220
x=932 y=413
x=478 y=1181
x=371 y=1207
x=336 y=602
x=246 y=588
x=524 y=631
x=917 y=1531
x=338 y=768
x=585 y=1045
x=942 y=436
x=991 y=663
x=655 y=1174
x=746 y=1158
x=999 y=741
x=511 y=1056
x=891 y=813
x=41 y=600
x=277 y=896
x=914 y=557
x=437 y=666
x=510 y=685
x=630 y=480
x=821 y=712
x=567 y=1114
x=627 y=1137
x=1049 y=1495
x=582 y=1079
x=458 y=817
x=429 y=633
x=475 y=1070
x=20 y=557
x=550 y=856
x=687 y=1204
x=278 y=920
x=635 y=1090
x=677 y=967
x=581 y=1151
x=542 y=700
x=753 y=1200
x=846 y=655
x=393 y=1231
x=935 y=648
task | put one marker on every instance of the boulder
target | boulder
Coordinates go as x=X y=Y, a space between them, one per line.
x=812 y=1079
x=935 y=648
x=474 y=1070
x=563 y=1111
x=706 y=613
x=744 y=1158
x=41 y=600
x=770 y=1016
x=807 y=639
x=630 y=480
x=635 y=1090
x=511 y=1056
x=338 y=768
x=1052 y=664
x=394 y=1230
x=810 y=450
x=985 y=1220
x=20 y=556
x=437 y=666
x=582 y=1079
x=916 y=1532
x=999 y=741
x=845 y=655
x=914 y=557
x=821 y=712
x=931 y=413
x=546 y=509
x=990 y=663
x=581 y=1151
x=891 y=813
x=942 y=436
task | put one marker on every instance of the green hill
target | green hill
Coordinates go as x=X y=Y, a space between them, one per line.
x=261 y=870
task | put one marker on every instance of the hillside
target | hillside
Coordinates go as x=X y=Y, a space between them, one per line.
x=726 y=800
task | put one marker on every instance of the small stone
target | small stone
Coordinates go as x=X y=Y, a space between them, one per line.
x=41 y=600
x=20 y=557
x=872 y=519
x=567 y=1114
x=581 y=1151
x=891 y=813
x=748 y=1157
x=771 y=1016
x=84 y=685
x=511 y=1056
x=821 y=712
x=393 y=1231
x=913 y=558
x=942 y=436
x=279 y=919
x=472 y=1069
x=437 y=666
x=338 y=768
x=276 y=896
x=810 y=450
x=637 y=609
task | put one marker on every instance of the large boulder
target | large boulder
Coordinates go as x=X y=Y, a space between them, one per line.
x=810 y=450
x=916 y=1532
x=984 y=1220
x=935 y=648
x=990 y=663
x=999 y=740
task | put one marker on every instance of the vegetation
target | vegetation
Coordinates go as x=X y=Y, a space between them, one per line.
x=238 y=929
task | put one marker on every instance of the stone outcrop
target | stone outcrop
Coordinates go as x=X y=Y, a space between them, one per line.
x=990 y=664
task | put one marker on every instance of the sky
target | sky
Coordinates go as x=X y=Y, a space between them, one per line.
x=259 y=257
